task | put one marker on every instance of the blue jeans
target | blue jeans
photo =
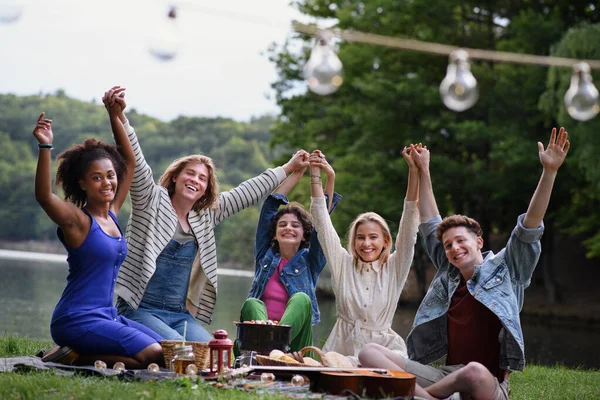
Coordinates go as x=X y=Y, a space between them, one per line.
x=162 y=308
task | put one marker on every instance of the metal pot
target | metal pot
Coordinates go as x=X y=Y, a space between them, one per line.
x=263 y=338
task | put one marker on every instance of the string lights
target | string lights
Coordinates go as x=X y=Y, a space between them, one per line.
x=323 y=70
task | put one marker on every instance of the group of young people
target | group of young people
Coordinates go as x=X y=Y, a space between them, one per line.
x=163 y=271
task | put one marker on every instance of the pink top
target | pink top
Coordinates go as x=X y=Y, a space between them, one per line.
x=275 y=295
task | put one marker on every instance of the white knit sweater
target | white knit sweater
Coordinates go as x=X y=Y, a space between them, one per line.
x=153 y=222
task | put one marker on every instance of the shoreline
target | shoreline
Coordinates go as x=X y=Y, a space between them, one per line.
x=557 y=315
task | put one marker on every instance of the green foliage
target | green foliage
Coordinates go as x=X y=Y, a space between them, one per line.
x=240 y=151
x=582 y=215
x=484 y=160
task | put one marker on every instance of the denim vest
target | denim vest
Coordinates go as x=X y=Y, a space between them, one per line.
x=301 y=273
x=498 y=283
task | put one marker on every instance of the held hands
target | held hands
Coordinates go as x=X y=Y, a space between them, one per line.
x=417 y=156
x=317 y=160
x=43 y=130
x=558 y=147
x=114 y=100
x=298 y=162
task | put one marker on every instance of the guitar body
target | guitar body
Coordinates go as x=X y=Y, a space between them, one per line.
x=369 y=383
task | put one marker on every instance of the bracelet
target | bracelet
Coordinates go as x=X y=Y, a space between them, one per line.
x=316 y=176
x=315 y=183
x=45 y=146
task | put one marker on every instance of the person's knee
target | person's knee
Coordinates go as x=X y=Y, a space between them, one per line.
x=151 y=354
x=301 y=297
x=473 y=373
x=250 y=304
x=367 y=354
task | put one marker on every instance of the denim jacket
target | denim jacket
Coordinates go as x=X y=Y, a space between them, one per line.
x=301 y=273
x=498 y=283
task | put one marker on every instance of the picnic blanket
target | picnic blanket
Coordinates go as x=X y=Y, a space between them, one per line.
x=282 y=387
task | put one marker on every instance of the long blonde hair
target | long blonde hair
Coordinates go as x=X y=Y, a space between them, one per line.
x=369 y=217
x=209 y=199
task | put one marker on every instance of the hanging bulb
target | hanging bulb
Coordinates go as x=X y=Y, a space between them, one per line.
x=581 y=100
x=10 y=11
x=459 y=88
x=323 y=70
x=166 y=40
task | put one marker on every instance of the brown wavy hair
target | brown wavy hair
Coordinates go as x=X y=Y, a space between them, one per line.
x=458 y=220
x=302 y=215
x=209 y=199
x=387 y=236
x=75 y=162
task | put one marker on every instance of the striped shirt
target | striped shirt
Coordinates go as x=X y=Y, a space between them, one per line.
x=153 y=223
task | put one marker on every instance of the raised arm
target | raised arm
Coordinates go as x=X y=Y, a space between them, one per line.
x=142 y=186
x=114 y=101
x=251 y=191
x=291 y=181
x=551 y=158
x=316 y=186
x=427 y=205
x=64 y=214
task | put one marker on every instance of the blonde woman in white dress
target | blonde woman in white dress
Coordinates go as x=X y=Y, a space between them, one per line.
x=367 y=278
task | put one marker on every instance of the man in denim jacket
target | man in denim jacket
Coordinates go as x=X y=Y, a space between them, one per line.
x=471 y=310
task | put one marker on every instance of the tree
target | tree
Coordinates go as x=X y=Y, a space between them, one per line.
x=484 y=160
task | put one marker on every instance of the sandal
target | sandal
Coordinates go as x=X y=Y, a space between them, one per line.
x=61 y=354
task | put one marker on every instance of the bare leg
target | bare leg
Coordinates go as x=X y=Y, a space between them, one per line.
x=377 y=356
x=474 y=380
x=151 y=354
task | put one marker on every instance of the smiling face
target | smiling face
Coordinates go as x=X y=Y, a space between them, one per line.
x=192 y=181
x=463 y=248
x=100 y=182
x=369 y=241
x=289 y=231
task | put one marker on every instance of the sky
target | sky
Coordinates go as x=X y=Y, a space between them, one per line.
x=86 y=46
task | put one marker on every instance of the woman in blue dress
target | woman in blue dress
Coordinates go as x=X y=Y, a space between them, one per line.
x=95 y=178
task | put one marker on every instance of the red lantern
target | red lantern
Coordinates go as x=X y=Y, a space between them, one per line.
x=220 y=352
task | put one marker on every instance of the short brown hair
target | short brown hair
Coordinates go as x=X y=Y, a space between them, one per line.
x=458 y=220
x=209 y=199
x=304 y=218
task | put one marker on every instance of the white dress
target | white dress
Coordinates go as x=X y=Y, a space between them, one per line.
x=366 y=302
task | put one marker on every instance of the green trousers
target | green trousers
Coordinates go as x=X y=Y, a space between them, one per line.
x=298 y=314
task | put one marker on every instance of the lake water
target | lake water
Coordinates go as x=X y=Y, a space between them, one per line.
x=30 y=289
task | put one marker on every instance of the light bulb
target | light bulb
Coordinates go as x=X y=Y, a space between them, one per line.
x=459 y=88
x=100 y=365
x=119 y=366
x=581 y=100
x=10 y=11
x=166 y=39
x=323 y=71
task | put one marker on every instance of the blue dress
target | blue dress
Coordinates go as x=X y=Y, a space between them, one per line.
x=85 y=317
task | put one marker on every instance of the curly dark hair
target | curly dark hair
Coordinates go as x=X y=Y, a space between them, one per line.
x=303 y=217
x=75 y=162
x=458 y=220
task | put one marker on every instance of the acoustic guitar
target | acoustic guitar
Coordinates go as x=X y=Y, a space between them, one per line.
x=374 y=383
x=364 y=382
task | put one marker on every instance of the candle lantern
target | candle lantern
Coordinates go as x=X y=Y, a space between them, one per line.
x=220 y=352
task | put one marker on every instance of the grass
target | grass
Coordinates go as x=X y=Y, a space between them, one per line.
x=535 y=383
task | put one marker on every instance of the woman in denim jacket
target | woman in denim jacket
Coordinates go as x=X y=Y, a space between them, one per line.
x=288 y=262
x=471 y=310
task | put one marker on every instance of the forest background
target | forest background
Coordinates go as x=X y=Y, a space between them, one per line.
x=484 y=160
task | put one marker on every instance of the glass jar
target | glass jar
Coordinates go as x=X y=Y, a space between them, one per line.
x=184 y=356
